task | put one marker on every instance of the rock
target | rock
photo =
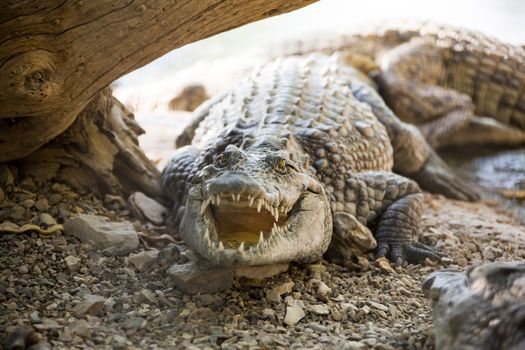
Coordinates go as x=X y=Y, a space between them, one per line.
x=72 y=262
x=336 y=315
x=202 y=313
x=294 y=314
x=47 y=324
x=28 y=184
x=320 y=289
x=143 y=207
x=284 y=287
x=118 y=342
x=117 y=237
x=207 y=299
x=290 y=301
x=115 y=201
x=144 y=296
x=54 y=198
x=92 y=305
x=260 y=272
x=320 y=309
x=378 y=306
x=46 y=220
x=7 y=176
x=34 y=317
x=319 y=328
x=483 y=308
x=268 y=313
x=384 y=265
x=80 y=328
x=351 y=239
x=23 y=269
x=355 y=345
x=144 y=260
x=316 y=270
x=272 y=296
x=200 y=277
x=28 y=203
x=169 y=255
x=189 y=98
x=135 y=323
x=21 y=338
x=42 y=204
x=43 y=345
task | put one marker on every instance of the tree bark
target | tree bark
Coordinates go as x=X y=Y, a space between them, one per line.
x=98 y=153
x=55 y=55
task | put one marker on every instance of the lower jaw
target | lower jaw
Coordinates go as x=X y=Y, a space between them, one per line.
x=260 y=272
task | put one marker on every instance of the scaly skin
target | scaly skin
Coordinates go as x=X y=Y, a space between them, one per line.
x=301 y=142
x=482 y=308
x=445 y=80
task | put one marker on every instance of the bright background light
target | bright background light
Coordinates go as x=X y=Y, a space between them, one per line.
x=504 y=19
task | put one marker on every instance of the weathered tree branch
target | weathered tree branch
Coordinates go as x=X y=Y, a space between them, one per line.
x=55 y=55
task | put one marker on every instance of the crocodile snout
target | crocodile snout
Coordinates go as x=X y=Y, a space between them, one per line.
x=235 y=182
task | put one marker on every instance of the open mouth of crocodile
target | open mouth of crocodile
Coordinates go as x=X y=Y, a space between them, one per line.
x=244 y=222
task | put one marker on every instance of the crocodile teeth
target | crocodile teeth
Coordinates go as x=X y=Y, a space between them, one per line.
x=221 y=246
x=233 y=197
x=261 y=238
x=251 y=199
x=218 y=200
x=207 y=235
x=259 y=205
x=241 y=247
x=238 y=197
x=204 y=205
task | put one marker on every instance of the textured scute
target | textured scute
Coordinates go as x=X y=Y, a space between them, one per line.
x=310 y=98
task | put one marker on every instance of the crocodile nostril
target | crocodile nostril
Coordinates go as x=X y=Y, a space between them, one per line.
x=235 y=182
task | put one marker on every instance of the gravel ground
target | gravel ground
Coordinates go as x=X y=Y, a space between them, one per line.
x=60 y=293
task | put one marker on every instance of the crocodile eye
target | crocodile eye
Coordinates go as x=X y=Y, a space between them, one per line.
x=280 y=166
x=221 y=161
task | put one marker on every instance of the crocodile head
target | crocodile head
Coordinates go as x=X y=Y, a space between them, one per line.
x=257 y=205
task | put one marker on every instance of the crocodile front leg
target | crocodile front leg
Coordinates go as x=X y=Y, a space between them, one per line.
x=388 y=203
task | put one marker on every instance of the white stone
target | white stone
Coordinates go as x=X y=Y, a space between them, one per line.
x=294 y=314
x=321 y=309
x=118 y=237
x=200 y=277
x=72 y=262
x=144 y=260
x=147 y=208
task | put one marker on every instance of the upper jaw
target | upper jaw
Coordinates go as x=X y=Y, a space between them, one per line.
x=270 y=203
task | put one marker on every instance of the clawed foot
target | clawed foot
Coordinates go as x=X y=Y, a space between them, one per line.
x=412 y=252
x=437 y=177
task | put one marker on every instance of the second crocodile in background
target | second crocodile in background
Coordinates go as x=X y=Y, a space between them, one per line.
x=292 y=161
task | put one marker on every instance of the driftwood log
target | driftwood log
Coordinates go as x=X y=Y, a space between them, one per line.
x=98 y=153
x=55 y=55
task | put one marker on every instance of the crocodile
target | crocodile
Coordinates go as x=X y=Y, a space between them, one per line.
x=457 y=85
x=292 y=160
x=481 y=308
